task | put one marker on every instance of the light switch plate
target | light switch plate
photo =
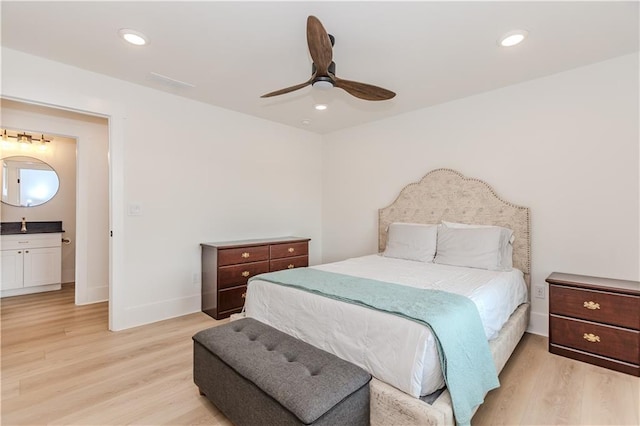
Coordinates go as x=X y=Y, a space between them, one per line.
x=135 y=210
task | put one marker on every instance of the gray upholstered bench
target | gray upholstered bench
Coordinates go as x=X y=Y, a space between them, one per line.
x=257 y=375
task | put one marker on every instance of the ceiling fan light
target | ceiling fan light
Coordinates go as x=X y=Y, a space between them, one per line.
x=323 y=84
x=512 y=38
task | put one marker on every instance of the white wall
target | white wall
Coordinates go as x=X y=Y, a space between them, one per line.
x=209 y=175
x=565 y=145
x=199 y=174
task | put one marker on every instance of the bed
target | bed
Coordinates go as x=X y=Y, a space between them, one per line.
x=405 y=391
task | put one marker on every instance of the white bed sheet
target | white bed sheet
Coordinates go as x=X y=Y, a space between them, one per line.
x=393 y=349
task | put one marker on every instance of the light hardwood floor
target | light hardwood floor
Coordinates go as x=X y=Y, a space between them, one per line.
x=60 y=365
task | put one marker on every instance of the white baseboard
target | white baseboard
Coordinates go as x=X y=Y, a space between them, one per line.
x=158 y=311
x=29 y=290
x=538 y=324
x=96 y=294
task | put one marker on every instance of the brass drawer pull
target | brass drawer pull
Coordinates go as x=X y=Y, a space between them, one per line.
x=591 y=337
x=246 y=273
x=591 y=305
x=245 y=255
x=290 y=266
x=291 y=250
x=244 y=295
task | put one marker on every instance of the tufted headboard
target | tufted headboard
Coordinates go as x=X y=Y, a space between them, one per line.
x=444 y=194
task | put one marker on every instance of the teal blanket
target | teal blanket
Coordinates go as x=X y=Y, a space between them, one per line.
x=467 y=364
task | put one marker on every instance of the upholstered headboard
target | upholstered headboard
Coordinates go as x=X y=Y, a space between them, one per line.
x=444 y=194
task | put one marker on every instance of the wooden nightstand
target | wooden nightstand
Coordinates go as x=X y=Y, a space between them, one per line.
x=595 y=320
x=227 y=266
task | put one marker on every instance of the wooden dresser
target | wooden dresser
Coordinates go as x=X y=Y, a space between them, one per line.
x=226 y=267
x=595 y=320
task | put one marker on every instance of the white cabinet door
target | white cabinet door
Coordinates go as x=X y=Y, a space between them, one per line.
x=42 y=266
x=12 y=275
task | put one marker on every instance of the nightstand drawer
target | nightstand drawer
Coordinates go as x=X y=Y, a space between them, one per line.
x=229 y=276
x=289 y=263
x=616 y=309
x=234 y=256
x=289 y=250
x=231 y=298
x=612 y=342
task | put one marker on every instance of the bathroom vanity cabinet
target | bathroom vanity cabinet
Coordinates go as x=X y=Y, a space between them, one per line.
x=31 y=263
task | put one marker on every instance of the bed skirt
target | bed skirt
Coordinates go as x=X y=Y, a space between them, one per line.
x=390 y=406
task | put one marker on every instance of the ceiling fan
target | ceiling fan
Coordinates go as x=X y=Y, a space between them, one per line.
x=323 y=69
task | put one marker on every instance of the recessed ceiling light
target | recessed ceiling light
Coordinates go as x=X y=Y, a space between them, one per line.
x=306 y=121
x=133 y=37
x=512 y=38
x=320 y=107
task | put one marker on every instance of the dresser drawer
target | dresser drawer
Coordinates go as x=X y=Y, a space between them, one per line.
x=230 y=276
x=231 y=298
x=289 y=263
x=612 y=342
x=234 y=256
x=289 y=250
x=616 y=309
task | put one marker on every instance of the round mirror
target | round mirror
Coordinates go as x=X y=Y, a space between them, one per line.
x=27 y=181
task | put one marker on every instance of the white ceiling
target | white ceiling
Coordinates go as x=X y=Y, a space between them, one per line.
x=427 y=52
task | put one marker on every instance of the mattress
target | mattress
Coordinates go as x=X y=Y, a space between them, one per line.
x=393 y=349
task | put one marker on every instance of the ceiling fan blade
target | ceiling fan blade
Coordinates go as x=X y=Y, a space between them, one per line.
x=319 y=45
x=289 y=89
x=364 y=91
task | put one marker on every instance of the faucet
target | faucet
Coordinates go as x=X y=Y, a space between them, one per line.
x=24 y=225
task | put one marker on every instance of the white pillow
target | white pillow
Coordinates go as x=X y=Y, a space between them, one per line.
x=411 y=241
x=506 y=242
x=507 y=232
x=470 y=247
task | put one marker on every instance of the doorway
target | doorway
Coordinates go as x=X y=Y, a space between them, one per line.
x=91 y=257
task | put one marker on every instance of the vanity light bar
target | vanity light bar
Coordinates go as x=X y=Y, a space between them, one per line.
x=25 y=137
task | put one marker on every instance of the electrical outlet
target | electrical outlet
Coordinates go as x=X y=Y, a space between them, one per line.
x=195 y=278
x=539 y=291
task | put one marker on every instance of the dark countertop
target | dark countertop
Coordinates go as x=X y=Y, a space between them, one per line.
x=13 y=228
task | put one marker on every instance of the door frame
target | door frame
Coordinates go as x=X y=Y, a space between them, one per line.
x=115 y=116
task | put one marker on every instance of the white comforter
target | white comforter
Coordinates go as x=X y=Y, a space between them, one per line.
x=393 y=349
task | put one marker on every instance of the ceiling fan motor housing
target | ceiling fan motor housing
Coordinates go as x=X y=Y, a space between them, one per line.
x=325 y=78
